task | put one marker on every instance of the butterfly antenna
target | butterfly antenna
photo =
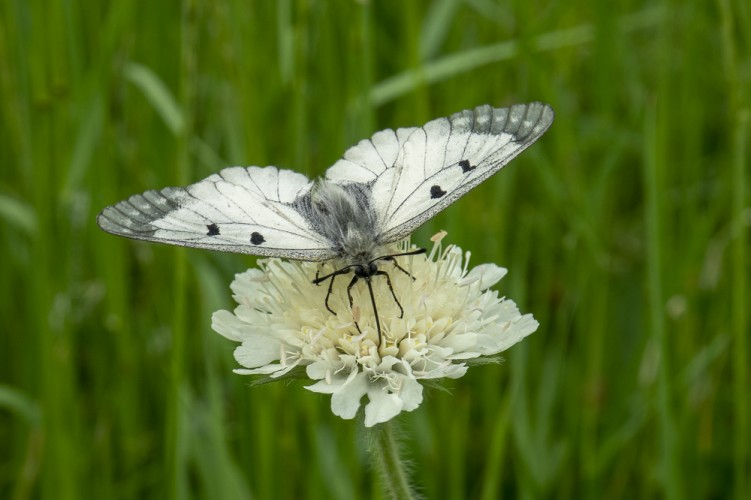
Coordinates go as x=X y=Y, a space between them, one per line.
x=391 y=257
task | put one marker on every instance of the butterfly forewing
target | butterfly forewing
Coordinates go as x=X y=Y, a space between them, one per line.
x=241 y=210
x=443 y=160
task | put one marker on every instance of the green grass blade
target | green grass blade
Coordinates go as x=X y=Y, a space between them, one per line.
x=157 y=93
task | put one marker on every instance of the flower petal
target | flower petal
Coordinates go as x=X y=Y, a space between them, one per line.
x=487 y=274
x=228 y=325
x=255 y=354
x=411 y=393
x=346 y=401
x=383 y=406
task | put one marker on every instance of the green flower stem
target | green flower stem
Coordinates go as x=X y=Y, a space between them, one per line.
x=391 y=469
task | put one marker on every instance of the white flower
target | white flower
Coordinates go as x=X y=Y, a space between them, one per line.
x=450 y=316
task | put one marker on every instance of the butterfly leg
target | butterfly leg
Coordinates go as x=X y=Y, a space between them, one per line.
x=375 y=309
x=396 y=264
x=328 y=293
x=320 y=279
x=391 y=289
x=352 y=283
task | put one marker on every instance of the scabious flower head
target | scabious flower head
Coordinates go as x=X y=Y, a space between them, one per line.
x=450 y=316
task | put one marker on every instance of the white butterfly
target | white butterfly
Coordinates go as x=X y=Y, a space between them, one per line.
x=379 y=192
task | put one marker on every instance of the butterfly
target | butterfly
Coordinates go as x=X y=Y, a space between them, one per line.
x=379 y=192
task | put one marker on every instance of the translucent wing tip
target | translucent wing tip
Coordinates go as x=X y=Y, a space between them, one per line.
x=106 y=221
x=134 y=217
x=527 y=122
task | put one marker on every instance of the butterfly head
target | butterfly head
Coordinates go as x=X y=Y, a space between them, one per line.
x=365 y=270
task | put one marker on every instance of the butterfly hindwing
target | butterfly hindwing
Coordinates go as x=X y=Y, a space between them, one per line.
x=417 y=172
x=242 y=210
x=370 y=158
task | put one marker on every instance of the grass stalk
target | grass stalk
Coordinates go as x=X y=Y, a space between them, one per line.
x=176 y=433
x=739 y=301
x=654 y=165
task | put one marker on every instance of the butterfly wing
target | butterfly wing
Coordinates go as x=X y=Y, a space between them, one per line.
x=415 y=173
x=242 y=210
x=366 y=161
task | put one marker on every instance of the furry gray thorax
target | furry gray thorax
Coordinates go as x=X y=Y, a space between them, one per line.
x=344 y=214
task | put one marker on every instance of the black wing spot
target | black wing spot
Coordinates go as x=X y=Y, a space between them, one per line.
x=256 y=238
x=213 y=230
x=436 y=191
x=466 y=167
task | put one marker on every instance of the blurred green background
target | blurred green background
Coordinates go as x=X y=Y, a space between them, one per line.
x=625 y=230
